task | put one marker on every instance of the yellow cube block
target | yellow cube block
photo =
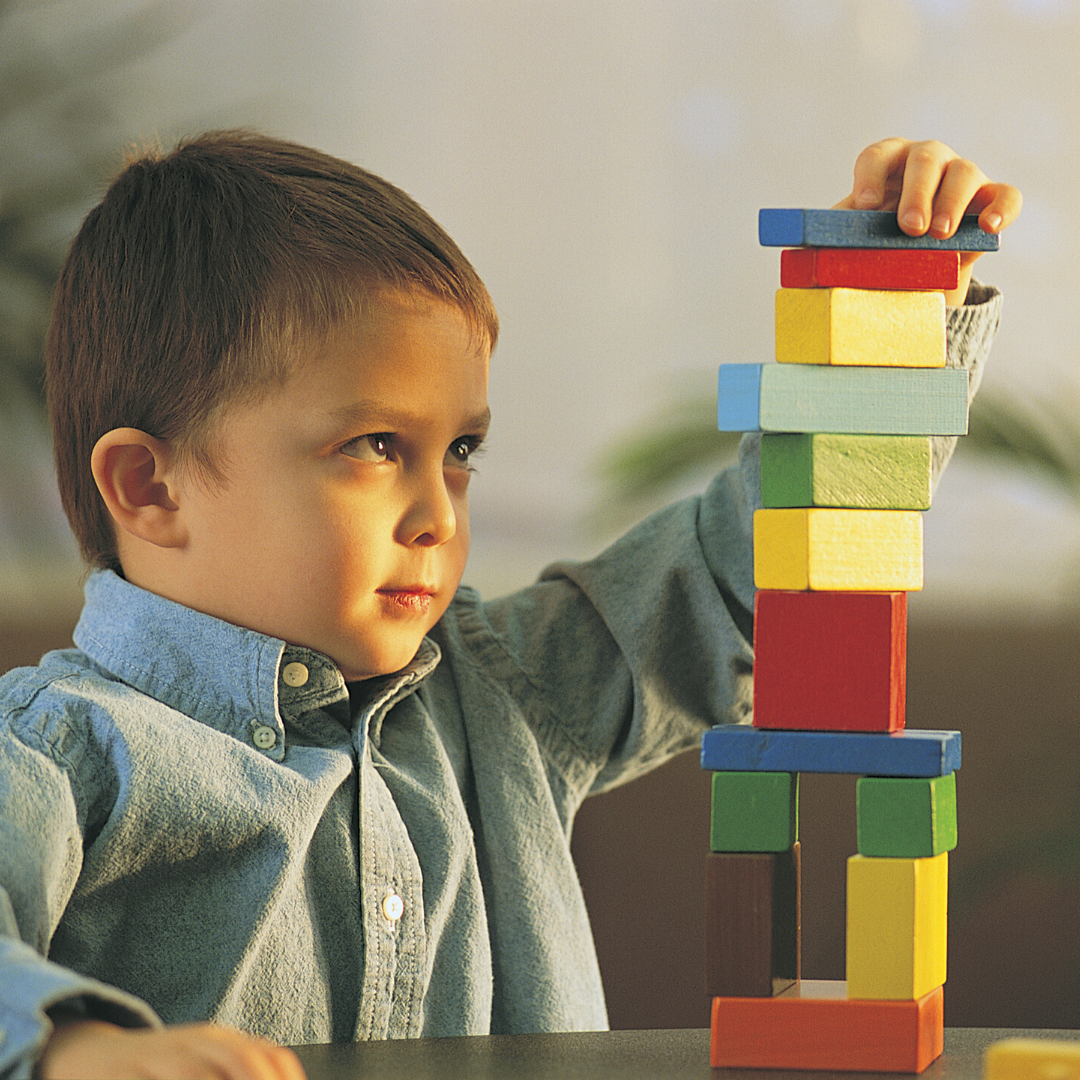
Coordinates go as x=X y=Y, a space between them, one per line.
x=1032 y=1059
x=863 y=327
x=825 y=549
x=897 y=913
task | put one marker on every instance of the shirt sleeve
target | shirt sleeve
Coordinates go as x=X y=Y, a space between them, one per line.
x=970 y=333
x=40 y=857
x=623 y=660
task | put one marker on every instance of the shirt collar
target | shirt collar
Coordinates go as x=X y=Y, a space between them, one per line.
x=230 y=678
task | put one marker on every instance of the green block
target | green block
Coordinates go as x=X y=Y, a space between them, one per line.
x=865 y=472
x=754 y=811
x=906 y=817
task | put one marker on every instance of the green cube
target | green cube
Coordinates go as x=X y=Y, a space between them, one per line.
x=754 y=811
x=885 y=472
x=906 y=817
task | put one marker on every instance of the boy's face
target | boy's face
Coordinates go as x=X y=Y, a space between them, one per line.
x=343 y=524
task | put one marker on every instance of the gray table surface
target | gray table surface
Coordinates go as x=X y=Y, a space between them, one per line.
x=602 y=1055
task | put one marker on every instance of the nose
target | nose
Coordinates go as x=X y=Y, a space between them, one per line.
x=430 y=518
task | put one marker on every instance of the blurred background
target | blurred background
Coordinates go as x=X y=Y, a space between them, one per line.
x=602 y=162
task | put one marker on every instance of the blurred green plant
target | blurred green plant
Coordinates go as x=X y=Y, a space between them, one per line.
x=643 y=468
x=1038 y=432
x=58 y=140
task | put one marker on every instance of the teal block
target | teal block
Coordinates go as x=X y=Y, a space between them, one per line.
x=754 y=811
x=854 y=400
x=904 y=817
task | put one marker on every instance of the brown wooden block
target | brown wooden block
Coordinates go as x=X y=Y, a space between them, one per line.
x=753 y=920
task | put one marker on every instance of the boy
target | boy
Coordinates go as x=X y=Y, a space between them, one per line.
x=291 y=781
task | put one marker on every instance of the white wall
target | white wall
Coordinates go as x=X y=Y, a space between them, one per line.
x=602 y=162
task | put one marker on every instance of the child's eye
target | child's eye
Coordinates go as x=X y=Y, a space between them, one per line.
x=462 y=451
x=368 y=447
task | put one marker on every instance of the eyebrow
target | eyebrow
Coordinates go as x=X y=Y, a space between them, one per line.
x=372 y=413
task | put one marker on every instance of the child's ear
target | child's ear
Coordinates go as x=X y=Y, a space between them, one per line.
x=135 y=474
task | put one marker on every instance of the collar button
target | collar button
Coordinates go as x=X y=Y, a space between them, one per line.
x=294 y=674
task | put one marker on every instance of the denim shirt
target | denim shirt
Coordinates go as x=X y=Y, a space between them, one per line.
x=199 y=822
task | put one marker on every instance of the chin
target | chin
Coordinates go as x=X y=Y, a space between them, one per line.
x=374 y=666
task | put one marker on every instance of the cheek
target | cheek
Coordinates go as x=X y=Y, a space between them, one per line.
x=351 y=534
x=464 y=533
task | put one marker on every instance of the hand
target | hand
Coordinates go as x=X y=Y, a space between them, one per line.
x=91 y=1050
x=931 y=187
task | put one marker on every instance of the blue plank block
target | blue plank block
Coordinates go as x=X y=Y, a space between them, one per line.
x=739 y=400
x=911 y=752
x=848 y=400
x=862 y=229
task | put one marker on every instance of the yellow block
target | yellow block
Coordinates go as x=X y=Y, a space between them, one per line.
x=866 y=327
x=896 y=926
x=825 y=549
x=1032 y=1059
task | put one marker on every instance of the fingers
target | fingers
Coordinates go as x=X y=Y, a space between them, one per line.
x=218 y=1053
x=234 y=1055
x=879 y=173
x=998 y=206
x=930 y=187
x=90 y=1049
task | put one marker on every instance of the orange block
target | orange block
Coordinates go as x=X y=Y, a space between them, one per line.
x=815 y=1026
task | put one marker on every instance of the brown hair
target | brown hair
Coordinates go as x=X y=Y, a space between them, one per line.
x=194 y=282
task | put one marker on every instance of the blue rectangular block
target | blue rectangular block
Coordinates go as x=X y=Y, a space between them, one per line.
x=842 y=400
x=911 y=752
x=862 y=229
x=739 y=400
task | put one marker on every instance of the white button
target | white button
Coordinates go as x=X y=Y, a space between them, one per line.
x=294 y=674
x=264 y=737
x=393 y=907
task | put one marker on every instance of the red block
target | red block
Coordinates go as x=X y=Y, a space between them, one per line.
x=830 y=661
x=866 y=268
x=814 y=1026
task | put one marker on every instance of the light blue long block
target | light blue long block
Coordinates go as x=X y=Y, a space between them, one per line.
x=848 y=400
x=910 y=752
x=738 y=402
x=862 y=229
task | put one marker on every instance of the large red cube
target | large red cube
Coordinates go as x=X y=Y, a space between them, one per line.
x=830 y=661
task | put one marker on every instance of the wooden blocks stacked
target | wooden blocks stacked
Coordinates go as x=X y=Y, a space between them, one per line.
x=846 y=415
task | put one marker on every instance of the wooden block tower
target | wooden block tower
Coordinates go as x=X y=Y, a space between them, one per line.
x=846 y=416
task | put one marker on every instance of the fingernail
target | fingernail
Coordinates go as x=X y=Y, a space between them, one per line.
x=994 y=221
x=941 y=223
x=867 y=197
x=912 y=220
